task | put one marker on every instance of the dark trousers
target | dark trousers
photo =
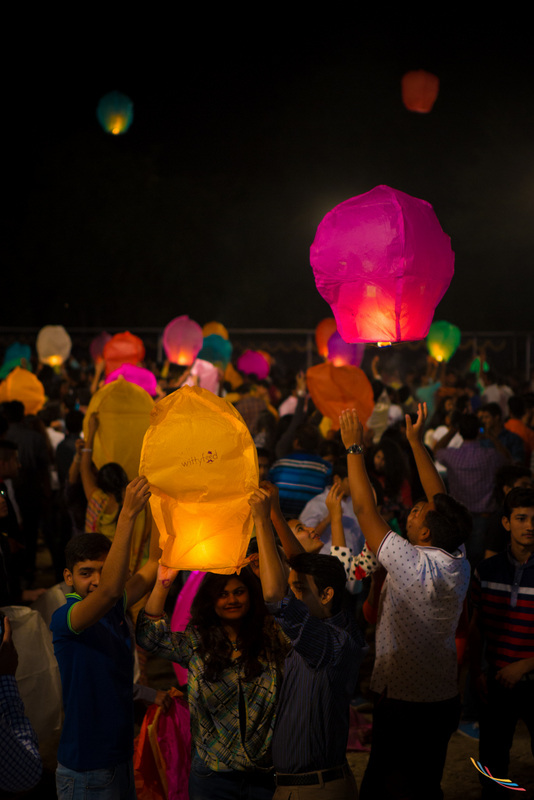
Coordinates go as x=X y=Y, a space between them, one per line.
x=408 y=749
x=498 y=720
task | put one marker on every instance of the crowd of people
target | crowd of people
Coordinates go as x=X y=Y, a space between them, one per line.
x=407 y=538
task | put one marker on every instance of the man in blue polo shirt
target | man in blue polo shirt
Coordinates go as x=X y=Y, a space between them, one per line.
x=503 y=619
x=93 y=649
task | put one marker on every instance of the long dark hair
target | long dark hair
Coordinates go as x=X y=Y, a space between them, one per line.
x=215 y=648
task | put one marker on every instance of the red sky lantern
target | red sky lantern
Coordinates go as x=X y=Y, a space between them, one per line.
x=182 y=340
x=419 y=90
x=383 y=263
x=123 y=348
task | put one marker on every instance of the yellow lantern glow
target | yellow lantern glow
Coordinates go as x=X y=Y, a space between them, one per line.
x=202 y=466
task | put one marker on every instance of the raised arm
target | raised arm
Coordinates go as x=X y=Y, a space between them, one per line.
x=335 y=513
x=272 y=573
x=289 y=541
x=143 y=580
x=428 y=474
x=115 y=570
x=88 y=478
x=373 y=526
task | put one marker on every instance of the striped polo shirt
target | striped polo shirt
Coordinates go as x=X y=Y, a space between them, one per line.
x=503 y=594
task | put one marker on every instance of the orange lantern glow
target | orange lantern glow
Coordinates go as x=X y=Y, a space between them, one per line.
x=123 y=348
x=202 y=466
x=53 y=345
x=323 y=332
x=182 y=340
x=23 y=386
x=334 y=389
x=419 y=90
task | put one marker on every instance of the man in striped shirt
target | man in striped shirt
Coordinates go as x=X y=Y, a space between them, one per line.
x=503 y=619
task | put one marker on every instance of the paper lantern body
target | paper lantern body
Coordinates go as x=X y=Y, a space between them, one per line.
x=206 y=374
x=124 y=413
x=14 y=355
x=419 y=90
x=182 y=340
x=24 y=386
x=344 y=354
x=202 y=466
x=253 y=363
x=216 y=329
x=334 y=389
x=123 y=348
x=139 y=375
x=383 y=263
x=115 y=112
x=443 y=340
x=96 y=348
x=323 y=332
x=53 y=345
x=216 y=350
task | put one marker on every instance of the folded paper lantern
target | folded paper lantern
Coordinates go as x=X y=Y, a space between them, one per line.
x=334 y=389
x=205 y=375
x=123 y=348
x=383 y=263
x=201 y=462
x=115 y=112
x=253 y=363
x=419 y=90
x=443 y=340
x=216 y=350
x=344 y=354
x=53 y=345
x=182 y=340
x=96 y=348
x=323 y=332
x=139 y=375
x=23 y=386
x=214 y=328
x=124 y=413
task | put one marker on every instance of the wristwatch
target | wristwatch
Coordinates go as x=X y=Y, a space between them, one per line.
x=354 y=449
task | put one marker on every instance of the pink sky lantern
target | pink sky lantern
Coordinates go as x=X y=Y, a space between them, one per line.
x=182 y=340
x=123 y=348
x=139 y=375
x=383 y=263
x=205 y=375
x=253 y=363
x=344 y=354
x=323 y=332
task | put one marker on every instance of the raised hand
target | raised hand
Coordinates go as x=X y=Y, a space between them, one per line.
x=351 y=428
x=414 y=431
x=333 y=501
x=136 y=497
x=260 y=503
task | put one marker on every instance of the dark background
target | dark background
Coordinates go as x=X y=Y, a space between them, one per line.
x=248 y=127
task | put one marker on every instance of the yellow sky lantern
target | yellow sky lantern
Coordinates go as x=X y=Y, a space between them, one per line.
x=201 y=462
x=23 y=385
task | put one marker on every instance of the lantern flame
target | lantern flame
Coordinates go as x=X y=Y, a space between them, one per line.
x=384 y=344
x=54 y=361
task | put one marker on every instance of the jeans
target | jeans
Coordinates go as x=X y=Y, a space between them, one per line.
x=116 y=783
x=207 y=784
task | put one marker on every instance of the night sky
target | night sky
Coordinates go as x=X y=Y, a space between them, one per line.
x=247 y=129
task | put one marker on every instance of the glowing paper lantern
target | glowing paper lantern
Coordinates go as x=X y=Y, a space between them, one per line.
x=216 y=350
x=123 y=348
x=182 y=340
x=205 y=375
x=216 y=329
x=333 y=389
x=344 y=354
x=23 y=386
x=115 y=112
x=53 y=345
x=323 y=332
x=443 y=340
x=201 y=462
x=139 y=375
x=383 y=263
x=96 y=348
x=419 y=90
x=124 y=413
x=253 y=363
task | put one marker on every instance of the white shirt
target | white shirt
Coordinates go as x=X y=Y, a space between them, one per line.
x=420 y=605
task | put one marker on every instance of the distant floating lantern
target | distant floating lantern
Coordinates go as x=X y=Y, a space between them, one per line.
x=419 y=90
x=383 y=263
x=53 y=345
x=123 y=348
x=23 y=386
x=214 y=328
x=96 y=348
x=344 y=354
x=333 y=389
x=443 y=340
x=253 y=363
x=115 y=112
x=14 y=356
x=323 y=332
x=216 y=350
x=205 y=375
x=182 y=340
x=139 y=375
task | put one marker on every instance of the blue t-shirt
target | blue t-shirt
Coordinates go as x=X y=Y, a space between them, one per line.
x=96 y=670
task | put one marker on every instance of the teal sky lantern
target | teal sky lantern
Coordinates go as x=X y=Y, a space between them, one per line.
x=115 y=112
x=443 y=340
